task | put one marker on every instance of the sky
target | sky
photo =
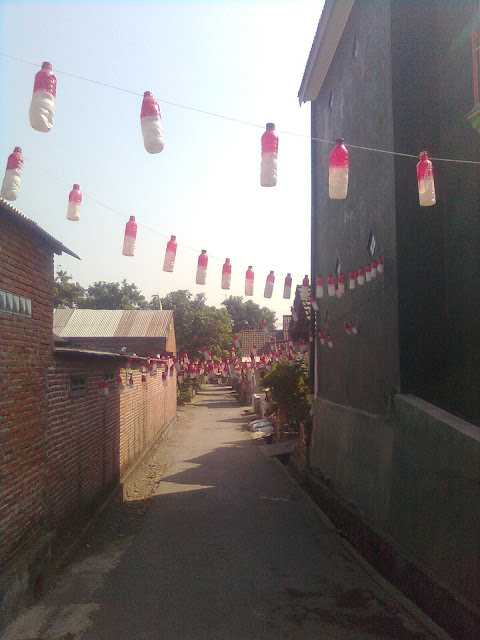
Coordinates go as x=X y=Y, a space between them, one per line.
x=239 y=60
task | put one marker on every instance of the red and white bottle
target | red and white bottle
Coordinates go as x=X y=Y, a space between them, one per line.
x=315 y=306
x=170 y=254
x=347 y=328
x=341 y=284
x=368 y=273
x=74 y=203
x=42 y=106
x=236 y=341
x=287 y=287
x=374 y=269
x=305 y=289
x=361 y=276
x=321 y=336
x=426 y=184
x=269 y=285
x=249 y=280
x=351 y=280
x=13 y=174
x=120 y=385
x=294 y=314
x=268 y=167
x=226 y=274
x=151 y=122
x=380 y=265
x=331 y=286
x=201 y=276
x=130 y=237
x=319 y=289
x=330 y=342
x=338 y=171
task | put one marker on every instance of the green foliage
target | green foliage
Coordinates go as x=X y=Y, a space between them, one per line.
x=186 y=390
x=248 y=315
x=289 y=390
x=113 y=295
x=198 y=325
x=66 y=294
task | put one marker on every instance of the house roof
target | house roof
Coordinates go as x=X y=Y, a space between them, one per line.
x=58 y=247
x=250 y=338
x=330 y=28
x=95 y=323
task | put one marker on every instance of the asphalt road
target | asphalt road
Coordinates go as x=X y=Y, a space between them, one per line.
x=228 y=550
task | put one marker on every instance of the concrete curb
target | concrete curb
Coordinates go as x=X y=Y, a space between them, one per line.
x=392 y=591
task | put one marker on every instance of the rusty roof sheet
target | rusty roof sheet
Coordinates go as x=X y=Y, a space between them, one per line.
x=58 y=247
x=96 y=323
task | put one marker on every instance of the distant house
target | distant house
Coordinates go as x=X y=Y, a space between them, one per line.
x=250 y=338
x=396 y=402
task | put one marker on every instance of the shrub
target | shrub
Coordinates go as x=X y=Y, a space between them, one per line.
x=289 y=390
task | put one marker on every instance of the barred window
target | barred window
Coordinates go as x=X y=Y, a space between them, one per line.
x=78 y=386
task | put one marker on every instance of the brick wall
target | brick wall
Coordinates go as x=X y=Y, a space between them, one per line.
x=26 y=269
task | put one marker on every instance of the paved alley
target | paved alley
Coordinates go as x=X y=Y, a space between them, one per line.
x=228 y=550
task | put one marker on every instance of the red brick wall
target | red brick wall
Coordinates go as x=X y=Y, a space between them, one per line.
x=26 y=269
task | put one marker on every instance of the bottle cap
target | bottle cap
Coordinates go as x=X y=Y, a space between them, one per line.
x=271 y=271
x=173 y=237
x=76 y=186
x=270 y=125
x=147 y=94
x=250 y=266
x=227 y=259
x=17 y=150
x=46 y=65
x=132 y=218
x=204 y=251
x=340 y=140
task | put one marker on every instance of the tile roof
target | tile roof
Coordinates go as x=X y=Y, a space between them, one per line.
x=250 y=338
x=95 y=323
x=58 y=247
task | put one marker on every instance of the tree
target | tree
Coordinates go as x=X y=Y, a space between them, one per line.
x=248 y=315
x=198 y=325
x=114 y=295
x=289 y=390
x=67 y=294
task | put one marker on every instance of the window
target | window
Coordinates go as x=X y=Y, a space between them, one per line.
x=16 y=305
x=78 y=386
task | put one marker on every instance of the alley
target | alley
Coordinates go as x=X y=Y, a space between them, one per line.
x=229 y=550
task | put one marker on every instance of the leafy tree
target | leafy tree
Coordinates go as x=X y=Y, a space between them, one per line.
x=67 y=294
x=114 y=295
x=198 y=325
x=248 y=315
x=289 y=390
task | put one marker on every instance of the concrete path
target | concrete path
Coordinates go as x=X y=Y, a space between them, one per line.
x=229 y=550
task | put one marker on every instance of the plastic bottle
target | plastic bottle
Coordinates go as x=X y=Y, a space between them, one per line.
x=13 y=174
x=268 y=168
x=226 y=274
x=305 y=289
x=269 y=285
x=74 y=202
x=287 y=287
x=338 y=171
x=351 y=279
x=130 y=237
x=368 y=273
x=42 y=107
x=152 y=126
x=170 y=254
x=426 y=185
x=249 y=278
x=319 y=288
x=331 y=286
x=314 y=304
x=361 y=276
x=341 y=284
x=201 y=277
x=374 y=269
x=380 y=265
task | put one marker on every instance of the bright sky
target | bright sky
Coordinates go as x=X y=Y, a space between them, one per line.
x=241 y=60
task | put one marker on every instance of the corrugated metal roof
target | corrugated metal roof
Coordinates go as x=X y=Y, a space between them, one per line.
x=95 y=323
x=58 y=247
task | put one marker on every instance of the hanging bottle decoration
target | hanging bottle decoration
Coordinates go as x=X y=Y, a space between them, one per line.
x=331 y=286
x=351 y=280
x=268 y=168
x=361 y=276
x=315 y=306
x=305 y=289
x=120 y=384
x=170 y=254
x=74 y=202
x=338 y=171
x=374 y=269
x=319 y=288
x=13 y=173
x=249 y=280
x=294 y=314
x=264 y=327
x=236 y=341
x=42 y=106
x=201 y=277
x=269 y=285
x=321 y=336
x=103 y=387
x=426 y=185
x=347 y=328
x=130 y=237
x=380 y=265
x=287 y=287
x=353 y=328
x=151 y=122
x=341 y=284
x=330 y=342
x=368 y=273
x=130 y=381
x=226 y=274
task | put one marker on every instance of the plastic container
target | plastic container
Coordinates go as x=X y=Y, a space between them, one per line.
x=338 y=171
x=314 y=304
x=249 y=279
x=319 y=287
x=201 y=277
x=341 y=284
x=268 y=167
x=374 y=269
x=368 y=273
x=287 y=287
x=42 y=106
x=426 y=184
x=130 y=237
x=380 y=265
x=226 y=274
x=13 y=174
x=305 y=289
x=331 y=286
x=351 y=280
x=74 y=203
x=170 y=253
x=269 y=285
x=151 y=122
x=361 y=276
